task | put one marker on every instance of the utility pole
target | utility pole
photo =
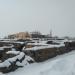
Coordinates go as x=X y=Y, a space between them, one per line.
x=51 y=33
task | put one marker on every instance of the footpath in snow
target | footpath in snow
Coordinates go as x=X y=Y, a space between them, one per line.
x=60 y=65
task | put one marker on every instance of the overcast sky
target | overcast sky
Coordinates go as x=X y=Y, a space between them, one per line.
x=40 y=15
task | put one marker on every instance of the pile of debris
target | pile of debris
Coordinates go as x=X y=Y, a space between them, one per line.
x=11 y=59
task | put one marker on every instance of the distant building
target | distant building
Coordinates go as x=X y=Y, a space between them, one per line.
x=13 y=36
x=37 y=34
x=20 y=35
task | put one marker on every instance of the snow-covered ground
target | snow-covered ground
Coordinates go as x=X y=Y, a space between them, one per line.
x=60 y=65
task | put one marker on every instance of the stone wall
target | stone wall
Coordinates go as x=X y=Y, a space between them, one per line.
x=17 y=46
x=38 y=55
x=44 y=54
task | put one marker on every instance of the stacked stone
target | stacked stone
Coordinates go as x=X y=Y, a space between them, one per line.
x=11 y=59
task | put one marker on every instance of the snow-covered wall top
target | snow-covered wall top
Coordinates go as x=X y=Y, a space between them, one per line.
x=44 y=47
